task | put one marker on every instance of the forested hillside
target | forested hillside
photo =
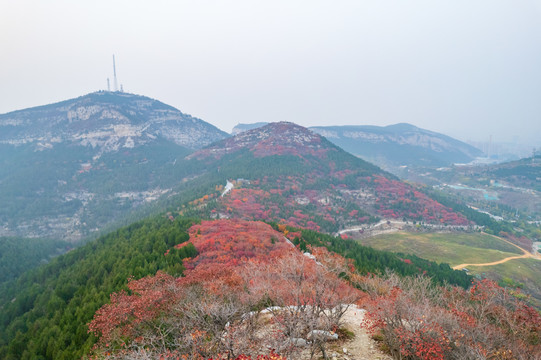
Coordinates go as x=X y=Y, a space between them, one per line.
x=18 y=255
x=44 y=314
x=208 y=238
x=284 y=172
x=248 y=279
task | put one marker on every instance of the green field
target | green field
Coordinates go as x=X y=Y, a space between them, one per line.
x=454 y=249
x=526 y=272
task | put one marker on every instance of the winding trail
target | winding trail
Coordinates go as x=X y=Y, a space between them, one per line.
x=525 y=255
x=461 y=266
x=394 y=226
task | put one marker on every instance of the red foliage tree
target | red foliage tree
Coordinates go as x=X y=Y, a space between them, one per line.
x=419 y=320
x=397 y=199
x=207 y=313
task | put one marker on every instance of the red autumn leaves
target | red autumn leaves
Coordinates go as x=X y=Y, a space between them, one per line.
x=204 y=314
x=397 y=200
x=421 y=321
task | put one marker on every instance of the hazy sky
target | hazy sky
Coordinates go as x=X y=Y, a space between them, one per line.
x=467 y=68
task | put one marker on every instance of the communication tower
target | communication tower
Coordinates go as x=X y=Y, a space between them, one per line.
x=114 y=73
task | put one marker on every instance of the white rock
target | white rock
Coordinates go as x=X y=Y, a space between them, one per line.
x=300 y=342
x=322 y=335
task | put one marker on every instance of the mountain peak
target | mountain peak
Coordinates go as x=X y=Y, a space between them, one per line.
x=106 y=120
x=402 y=127
x=101 y=153
x=279 y=138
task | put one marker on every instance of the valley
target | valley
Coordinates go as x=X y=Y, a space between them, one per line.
x=508 y=191
x=270 y=180
x=165 y=237
x=479 y=254
x=451 y=248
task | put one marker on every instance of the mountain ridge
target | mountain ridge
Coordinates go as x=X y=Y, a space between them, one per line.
x=393 y=146
x=287 y=175
x=278 y=138
x=405 y=134
x=290 y=174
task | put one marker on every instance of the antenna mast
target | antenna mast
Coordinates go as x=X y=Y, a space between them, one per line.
x=114 y=73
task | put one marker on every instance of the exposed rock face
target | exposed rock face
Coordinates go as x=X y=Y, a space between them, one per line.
x=399 y=144
x=409 y=135
x=107 y=121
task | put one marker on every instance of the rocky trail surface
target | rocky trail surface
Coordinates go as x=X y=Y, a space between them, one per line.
x=360 y=347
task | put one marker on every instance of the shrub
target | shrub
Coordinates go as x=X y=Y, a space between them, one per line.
x=419 y=320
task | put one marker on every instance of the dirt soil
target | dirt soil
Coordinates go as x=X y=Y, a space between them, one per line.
x=361 y=347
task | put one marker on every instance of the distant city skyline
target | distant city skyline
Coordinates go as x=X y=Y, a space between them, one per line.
x=467 y=69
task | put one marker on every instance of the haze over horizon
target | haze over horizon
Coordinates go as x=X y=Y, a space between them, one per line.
x=466 y=69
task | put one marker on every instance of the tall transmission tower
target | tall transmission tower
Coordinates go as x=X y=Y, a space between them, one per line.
x=108 y=85
x=114 y=73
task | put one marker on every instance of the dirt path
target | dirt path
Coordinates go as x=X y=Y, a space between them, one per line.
x=462 y=266
x=361 y=347
x=525 y=255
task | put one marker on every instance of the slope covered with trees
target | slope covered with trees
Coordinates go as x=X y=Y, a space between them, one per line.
x=71 y=168
x=158 y=268
x=45 y=312
x=288 y=174
x=18 y=255
x=243 y=267
x=416 y=320
x=231 y=306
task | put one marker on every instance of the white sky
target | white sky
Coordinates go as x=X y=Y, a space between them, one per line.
x=467 y=68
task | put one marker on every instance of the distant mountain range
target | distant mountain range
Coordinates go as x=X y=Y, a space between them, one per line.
x=71 y=169
x=74 y=169
x=394 y=146
x=244 y=127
